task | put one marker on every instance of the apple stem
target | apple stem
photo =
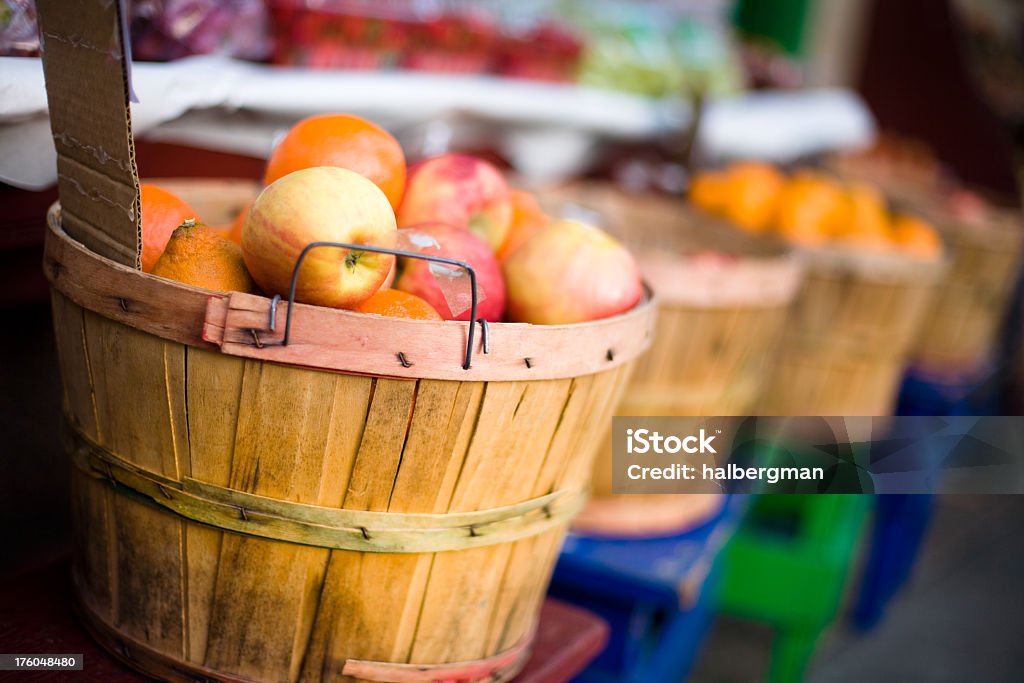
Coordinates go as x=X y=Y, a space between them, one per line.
x=351 y=259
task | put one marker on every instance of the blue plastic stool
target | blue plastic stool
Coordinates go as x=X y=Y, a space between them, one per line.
x=901 y=521
x=656 y=594
x=973 y=393
x=899 y=528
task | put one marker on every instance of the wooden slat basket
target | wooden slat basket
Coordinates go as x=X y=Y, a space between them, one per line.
x=959 y=331
x=718 y=327
x=354 y=506
x=850 y=333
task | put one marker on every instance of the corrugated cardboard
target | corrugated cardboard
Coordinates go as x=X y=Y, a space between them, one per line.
x=86 y=83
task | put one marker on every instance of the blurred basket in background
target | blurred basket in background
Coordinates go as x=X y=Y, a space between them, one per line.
x=983 y=242
x=850 y=333
x=870 y=279
x=961 y=328
x=723 y=298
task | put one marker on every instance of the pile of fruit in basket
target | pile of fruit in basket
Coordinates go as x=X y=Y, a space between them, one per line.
x=913 y=176
x=340 y=178
x=810 y=209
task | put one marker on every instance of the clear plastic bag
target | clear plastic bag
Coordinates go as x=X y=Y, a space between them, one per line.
x=453 y=281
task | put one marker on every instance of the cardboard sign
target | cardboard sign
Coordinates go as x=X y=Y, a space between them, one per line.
x=87 y=86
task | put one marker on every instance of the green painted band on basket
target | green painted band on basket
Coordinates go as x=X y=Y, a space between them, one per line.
x=323 y=527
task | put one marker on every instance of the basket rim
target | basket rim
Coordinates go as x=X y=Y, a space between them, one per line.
x=749 y=282
x=359 y=344
x=881 y=267
x=1003 y=229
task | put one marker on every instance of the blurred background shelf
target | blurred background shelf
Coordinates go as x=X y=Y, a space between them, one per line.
x=548 y=131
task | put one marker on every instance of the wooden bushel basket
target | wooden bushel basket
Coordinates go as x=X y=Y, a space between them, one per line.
x=959 y=331
x=850 y=333
x=352 y=506
x=716 y=332
x=960 y=328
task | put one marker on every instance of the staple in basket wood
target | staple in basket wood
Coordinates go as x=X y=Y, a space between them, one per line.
x=318 y=511
x=717 y=328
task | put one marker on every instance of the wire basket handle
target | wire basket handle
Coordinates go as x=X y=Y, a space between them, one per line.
x=394 y=252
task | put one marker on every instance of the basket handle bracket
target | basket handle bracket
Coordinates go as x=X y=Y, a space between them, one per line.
x=272 y=321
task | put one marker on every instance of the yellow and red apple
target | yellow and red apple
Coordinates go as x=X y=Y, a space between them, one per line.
x=419 y=278
x=461 y=191
x=570 y=272
x=320 y=204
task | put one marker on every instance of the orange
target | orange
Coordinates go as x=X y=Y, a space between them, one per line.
x=398 y=304
x=200 y=256
x=916 y=237
x=234 y=231
x=224 y=230
x=342 y=140
x=527 y=220
x=162 y=212
x=753 y=194
x=710 y=191
x=810 y=209
x=867 y=213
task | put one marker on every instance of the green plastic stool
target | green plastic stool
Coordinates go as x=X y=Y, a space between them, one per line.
x=787 y=565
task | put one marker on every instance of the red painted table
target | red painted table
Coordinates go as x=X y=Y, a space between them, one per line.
x=36 y=618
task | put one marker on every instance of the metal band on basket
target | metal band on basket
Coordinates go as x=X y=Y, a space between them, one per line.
x=323 y=527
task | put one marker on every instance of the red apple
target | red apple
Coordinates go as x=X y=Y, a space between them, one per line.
x=570 y=272
x=320 y=204
x=461 y=191
x=438 y=239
